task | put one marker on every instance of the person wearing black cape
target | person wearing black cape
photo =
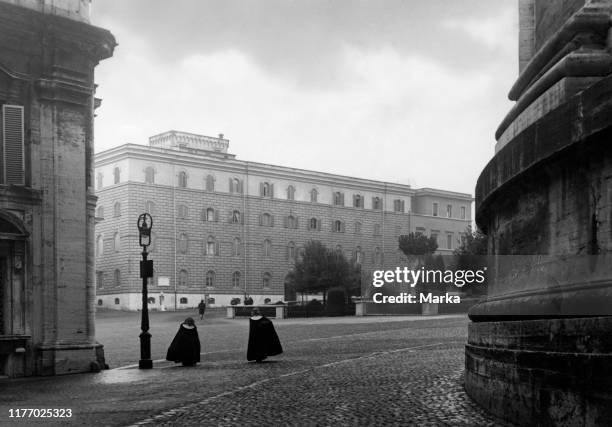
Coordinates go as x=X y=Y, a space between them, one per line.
x=185 y=347
x=263 y=341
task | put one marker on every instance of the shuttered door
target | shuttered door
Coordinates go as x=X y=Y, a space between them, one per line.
x=12 y=129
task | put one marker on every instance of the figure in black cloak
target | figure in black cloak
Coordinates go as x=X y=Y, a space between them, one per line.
x=185 y=347
x=202 y=309
x=263 y=341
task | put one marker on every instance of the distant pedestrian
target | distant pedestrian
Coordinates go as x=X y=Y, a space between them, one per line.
x=263 y=340
x=185 y=347
x=202 y=309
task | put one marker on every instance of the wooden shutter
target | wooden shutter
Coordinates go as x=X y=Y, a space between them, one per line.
x=13 y=145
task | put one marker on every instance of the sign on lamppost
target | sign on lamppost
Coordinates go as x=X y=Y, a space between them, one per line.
x=145 y=223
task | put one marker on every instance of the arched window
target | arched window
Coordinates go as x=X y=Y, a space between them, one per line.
x=338 y=199
x=292 y=222
x=117 y=302
x=99 y=181
x=266 y=220
x=182 y=179
x=210 y=214
x=291 y=251
x=314 y=195
x=117 y=209
x=338 y=226
x=357 y=227
x=314 y=224
x=183 y=300
x=377 y=256
x=357 y=201
x=212 y=247
x=100 y=213
x=236 y=279
x=291 y=192
x=266 y=279
x=117 y=242
x=149 y=175
x=183 y=212
x=183 y=278
x=210 y=279
x=99 y=279
x=266 y=189
x=358 y=255
x=236 y=247
x=100 y=302
x=267 y=248
x=235 y=185
x=99 y=245
x=183 y=243
x=210 y=183
x=116 y=175
x=150 y=207
x=236 y=217
x=117 y=277
x=376 y=203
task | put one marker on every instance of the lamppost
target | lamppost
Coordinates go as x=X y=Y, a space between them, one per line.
x=145 y=223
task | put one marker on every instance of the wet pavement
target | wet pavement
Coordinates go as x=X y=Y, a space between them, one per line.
x=340 y=371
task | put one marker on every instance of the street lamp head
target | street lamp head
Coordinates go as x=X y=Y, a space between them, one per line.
x=145 y=223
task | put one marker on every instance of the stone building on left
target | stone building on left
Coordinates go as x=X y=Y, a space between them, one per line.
x=48 y=52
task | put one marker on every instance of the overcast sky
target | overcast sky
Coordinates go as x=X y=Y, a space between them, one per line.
x=403 y=91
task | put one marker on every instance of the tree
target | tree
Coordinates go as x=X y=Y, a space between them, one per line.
x=472 y=243
x=320 y=269
x=417 y=244
x=472 y=255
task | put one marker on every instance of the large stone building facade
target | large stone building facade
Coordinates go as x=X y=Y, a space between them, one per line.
x=224 y=227
x=48 y=52
x=539 y=348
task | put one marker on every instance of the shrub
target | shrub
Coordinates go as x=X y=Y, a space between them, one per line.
x=248 y=301
x=235 y=301
x=267 y=301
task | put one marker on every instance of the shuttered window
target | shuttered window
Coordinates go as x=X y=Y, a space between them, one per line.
x=13 y=164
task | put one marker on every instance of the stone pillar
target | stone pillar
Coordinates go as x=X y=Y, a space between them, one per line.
x=51 y=50
x=539 y=347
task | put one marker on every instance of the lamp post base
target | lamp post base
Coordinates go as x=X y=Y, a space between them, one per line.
x=145 y=364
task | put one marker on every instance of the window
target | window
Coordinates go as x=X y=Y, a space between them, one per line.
x=236 y=247
x=116 y=242
x=291 y=192
x=210 y=183
x=151 y=300
x=314 y=224
x=357 y=201
x=183 y=243
x=377 y=229
x=421 y=230
x=117 y=302
x=100 y=212
x=376 y=203
x=449 y=211
x=235 y=217
x=434 y=209
x=117 y=277
x=267 y=248
x=462 y=212
x=338 y=199
x=182 y=179
x=357 y=227
x=291 y=222
x=149 y=207
x=116 y=176
x=100 y=302
x=291 y=251
x=183 y=212
x=117 y=209
x=12 y=167
x=377 y=256
x=210 y=279
x=212 y=246
x=99 y=181
x=183 y=300
x=314 y=194
x=338 y=226
x=449 y=241
x=235 y=186
x=100 y=279
x=398 y=205
x=266 y=278
x=236 y=279
x=358 y=255
x=266 y=189
x=266 y=220
x=183 y=279
x=211 y=215
x=99 y=245
x=434 y=235
x=149 y=175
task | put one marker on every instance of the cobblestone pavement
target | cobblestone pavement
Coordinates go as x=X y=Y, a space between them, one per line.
x=333 y=372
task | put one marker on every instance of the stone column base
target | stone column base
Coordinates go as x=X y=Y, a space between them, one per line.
x=63 y=359
x=542 y=372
